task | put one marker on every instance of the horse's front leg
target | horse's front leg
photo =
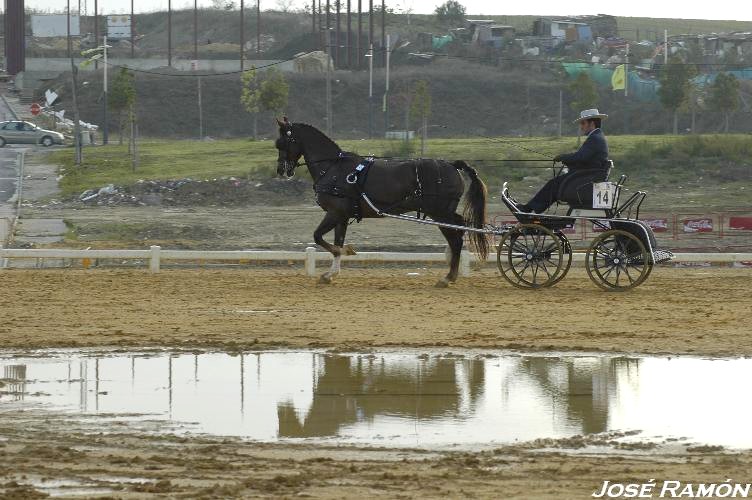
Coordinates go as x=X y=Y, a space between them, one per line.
x=339 y=239
x=454 y=238
x=331 y=221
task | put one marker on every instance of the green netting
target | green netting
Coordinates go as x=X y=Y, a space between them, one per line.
x=640 y=88
x=439 y=42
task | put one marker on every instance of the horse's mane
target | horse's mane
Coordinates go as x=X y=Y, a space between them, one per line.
x=318 y=132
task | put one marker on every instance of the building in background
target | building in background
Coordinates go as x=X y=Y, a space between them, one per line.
x=54 y=25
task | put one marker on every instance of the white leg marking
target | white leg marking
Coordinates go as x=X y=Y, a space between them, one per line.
x=334 y=270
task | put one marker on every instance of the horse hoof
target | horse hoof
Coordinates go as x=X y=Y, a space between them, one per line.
x=348 y=250
x=442 y=283
x=325 y=280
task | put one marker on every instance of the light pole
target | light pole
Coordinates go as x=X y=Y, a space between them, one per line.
x=386 y=91
x=78 y=154
x=370 y=91
x=169 y=33
x=106 y=131
x=328 y=82
x=423 y=131
x=101 y=53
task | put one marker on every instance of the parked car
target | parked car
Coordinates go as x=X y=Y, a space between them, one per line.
x=17 y=132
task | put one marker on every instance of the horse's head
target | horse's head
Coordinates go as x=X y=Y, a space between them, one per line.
x=289 y=147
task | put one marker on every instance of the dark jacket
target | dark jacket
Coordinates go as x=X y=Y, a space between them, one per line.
x=592 y=155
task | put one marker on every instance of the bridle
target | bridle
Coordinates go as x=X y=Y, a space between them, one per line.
x=289 y=165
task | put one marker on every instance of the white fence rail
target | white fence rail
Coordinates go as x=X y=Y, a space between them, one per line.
x=156 y=255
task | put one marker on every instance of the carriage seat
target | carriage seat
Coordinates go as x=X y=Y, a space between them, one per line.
x=577 y=190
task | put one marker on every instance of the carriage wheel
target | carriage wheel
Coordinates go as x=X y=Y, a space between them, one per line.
x=567 y=248
x=530 y=256
x=617 y=261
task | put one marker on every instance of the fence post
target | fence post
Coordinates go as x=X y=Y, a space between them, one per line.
x=465 y=264
x=154 y=262
x=4 y=231
x=310 y=261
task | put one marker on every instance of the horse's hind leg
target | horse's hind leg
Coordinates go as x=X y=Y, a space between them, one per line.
x=454 y=239
x=331 y=221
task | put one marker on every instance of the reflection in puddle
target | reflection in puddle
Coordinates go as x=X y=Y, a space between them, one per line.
x=396 y=399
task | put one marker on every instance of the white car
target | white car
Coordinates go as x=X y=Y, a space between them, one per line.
x=18 y=132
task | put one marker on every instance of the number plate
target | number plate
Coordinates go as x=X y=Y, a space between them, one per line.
x=603 y=194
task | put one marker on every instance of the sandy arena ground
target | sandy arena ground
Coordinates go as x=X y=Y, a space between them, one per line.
x=43 y=450
x=679 y=311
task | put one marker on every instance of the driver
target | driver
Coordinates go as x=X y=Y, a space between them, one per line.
x=587 y=165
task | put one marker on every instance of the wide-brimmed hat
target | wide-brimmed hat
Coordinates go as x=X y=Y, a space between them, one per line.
x=589 y=114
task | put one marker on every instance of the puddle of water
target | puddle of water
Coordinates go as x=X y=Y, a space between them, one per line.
x=396 y=398
x=64 y=487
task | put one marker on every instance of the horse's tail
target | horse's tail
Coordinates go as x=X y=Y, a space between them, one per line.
x=474 y=212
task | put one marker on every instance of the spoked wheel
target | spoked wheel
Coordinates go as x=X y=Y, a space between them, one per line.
x=531 y=256
x=567 y=258
x=618 y=261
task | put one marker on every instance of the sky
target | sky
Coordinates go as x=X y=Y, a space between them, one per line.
x=725 y=9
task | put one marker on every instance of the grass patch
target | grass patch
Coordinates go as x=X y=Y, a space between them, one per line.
x=648 y=160
x=164 y=160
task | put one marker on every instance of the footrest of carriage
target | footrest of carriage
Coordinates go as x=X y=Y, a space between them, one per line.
x=660 y=256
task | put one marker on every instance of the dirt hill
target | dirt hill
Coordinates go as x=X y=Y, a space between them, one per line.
x=467 y=99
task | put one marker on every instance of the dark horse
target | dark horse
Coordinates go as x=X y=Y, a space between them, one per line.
x=431 y=187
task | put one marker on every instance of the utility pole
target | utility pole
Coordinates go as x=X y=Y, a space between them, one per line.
x=320 y=14
x=370 y=91
x=626 y=91
x=337 y=37
x=407 y=115
x=665 y=46
x=349 y=34
x=359 y=43
x=370 y=24
x=383 y=25
x=313 y=17
x=328 y=84
x=385 y=107
x=106 y=130
x=200 y=112
x=242 y=35
x=328 y=20
x=195 y=30
x=561 y=109
x=626 y=73
x=258 y=29
x=169 y=33
x=74 y=80
x=96 y=28
x=133 y=31
x=527 y=111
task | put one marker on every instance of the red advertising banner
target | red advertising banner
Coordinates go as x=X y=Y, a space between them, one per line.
x=571 y=230
x=704 y=225
x=740 y=223
x=657 y=225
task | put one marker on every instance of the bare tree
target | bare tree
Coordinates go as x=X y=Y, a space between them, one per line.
x=285 y=5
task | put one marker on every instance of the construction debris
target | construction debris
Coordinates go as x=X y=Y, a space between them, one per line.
x=227 y=191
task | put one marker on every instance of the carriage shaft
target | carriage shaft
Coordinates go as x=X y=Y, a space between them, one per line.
x=431 y=222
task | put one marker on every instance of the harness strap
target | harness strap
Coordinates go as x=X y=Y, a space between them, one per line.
x=419 y=189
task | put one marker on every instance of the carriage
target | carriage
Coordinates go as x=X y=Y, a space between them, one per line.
x=536 y=253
